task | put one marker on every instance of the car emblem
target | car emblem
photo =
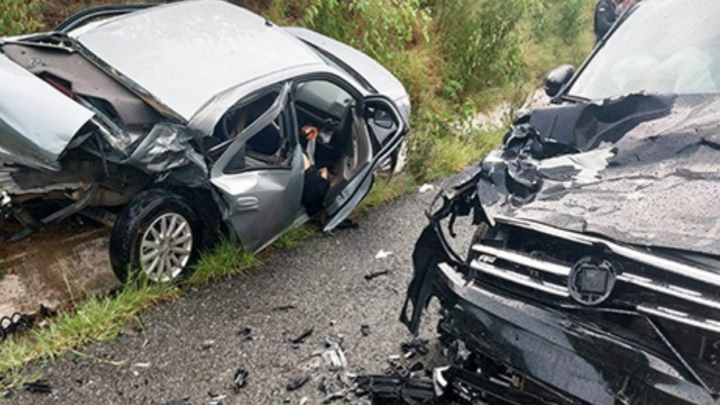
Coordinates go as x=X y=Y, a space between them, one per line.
x=591 y=281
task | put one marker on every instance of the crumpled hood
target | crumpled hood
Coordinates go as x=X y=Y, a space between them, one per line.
x=642 y=170
x=37 y=122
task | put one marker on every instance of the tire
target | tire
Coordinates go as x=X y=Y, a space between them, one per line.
x=138 y=231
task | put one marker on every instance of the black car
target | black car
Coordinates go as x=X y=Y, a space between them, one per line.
x=594 y=273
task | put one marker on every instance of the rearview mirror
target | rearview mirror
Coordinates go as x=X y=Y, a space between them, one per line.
x=557 y=78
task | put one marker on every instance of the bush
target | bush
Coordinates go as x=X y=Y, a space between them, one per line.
x=479 y=41
x=18 y=17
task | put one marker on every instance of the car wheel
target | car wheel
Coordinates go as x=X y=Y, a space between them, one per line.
x=157 y=234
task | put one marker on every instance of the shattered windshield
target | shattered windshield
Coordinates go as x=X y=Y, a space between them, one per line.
x=664 y=47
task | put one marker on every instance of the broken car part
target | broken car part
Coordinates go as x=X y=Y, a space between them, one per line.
x=596 y=252
x=13 y=324
x=197 y=148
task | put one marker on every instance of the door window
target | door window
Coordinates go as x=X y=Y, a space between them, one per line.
x=267 y=146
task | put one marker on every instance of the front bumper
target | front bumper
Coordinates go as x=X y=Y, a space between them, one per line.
x=559 y=354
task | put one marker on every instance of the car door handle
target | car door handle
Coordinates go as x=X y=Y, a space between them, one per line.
x=247 y=204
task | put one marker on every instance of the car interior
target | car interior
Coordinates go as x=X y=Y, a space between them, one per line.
x=337 y=137
x=342 y=144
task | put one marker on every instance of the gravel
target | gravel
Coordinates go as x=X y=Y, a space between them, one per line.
x=235 y=342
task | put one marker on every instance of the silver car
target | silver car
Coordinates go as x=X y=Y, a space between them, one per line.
x=178 y=123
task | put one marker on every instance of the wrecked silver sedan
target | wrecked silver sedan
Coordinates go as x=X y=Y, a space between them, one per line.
x=177 y=123
x=594 y=273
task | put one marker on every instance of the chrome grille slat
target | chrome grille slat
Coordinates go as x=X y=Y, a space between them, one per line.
x=674 y=291
x=486 y=263
x=521 y=279
x=680 y=317
x=524 y=260
x=631 y=253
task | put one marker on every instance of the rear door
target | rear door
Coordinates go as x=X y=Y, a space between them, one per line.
x=260 y=172
x=380 y=121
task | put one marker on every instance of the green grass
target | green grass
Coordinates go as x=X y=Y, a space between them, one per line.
x=296 y=236
x=96 y=319
x=227 y=259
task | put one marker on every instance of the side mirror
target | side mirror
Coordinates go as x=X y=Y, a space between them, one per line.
x=383 y=119
x=557 y=78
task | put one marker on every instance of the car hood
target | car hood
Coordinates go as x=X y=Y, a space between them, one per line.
x=370 y=71
x=640 y=170
x=37 y=122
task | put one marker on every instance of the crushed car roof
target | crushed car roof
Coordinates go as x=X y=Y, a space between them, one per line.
x=185 y=53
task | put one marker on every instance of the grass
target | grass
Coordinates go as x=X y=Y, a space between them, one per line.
x=296 y=236
x=226 y=260
x=3 y=269
x=96 y=319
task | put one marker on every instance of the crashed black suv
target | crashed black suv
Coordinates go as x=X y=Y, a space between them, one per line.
x=594 y=273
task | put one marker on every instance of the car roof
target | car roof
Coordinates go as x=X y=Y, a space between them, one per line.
x=182 y=54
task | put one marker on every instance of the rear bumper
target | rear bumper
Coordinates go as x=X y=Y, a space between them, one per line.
x=566 y=357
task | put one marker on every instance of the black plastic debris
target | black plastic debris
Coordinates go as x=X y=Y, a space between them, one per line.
x=240 y=380
x=415 y=347
x=384 y=390
x=246 y=333
x=297 y=382
x=347 y=224
x=302 y=336
x=376 y=274
x=216 y=399
x=365 y=330
x=284 y=308
x=15 y=323
x=38 y=387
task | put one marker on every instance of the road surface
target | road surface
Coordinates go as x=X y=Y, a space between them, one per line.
x=189 y=351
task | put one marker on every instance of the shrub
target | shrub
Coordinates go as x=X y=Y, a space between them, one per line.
x=18 y=17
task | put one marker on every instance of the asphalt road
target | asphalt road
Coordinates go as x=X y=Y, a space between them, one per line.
x=188 y=351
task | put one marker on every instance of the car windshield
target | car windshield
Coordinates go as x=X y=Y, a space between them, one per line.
x=665 y=47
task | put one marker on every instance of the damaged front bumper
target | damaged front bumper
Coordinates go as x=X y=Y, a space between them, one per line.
x=544 y=351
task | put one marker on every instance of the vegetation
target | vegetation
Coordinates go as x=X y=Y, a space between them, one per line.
x=93 y=320
x=455 y=57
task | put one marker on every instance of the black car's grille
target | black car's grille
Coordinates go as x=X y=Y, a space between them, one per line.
x=679 y=302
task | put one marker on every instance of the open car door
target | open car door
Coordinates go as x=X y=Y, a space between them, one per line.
x=377 y=130
x=260 y=176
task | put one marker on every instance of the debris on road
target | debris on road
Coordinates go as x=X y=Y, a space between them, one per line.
x=414 y=348
x=426 y=188
x=302 y=336
x=376 y=274
x=38 y=387
x=207 y=344
x=216 y=399
x=333 y=355
x=246 y=333
x=284 y=308
x=14 y=324
x=297 y=382
x=180 y=401
x=383 y=254
x=240 y=380
x=365 y=330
